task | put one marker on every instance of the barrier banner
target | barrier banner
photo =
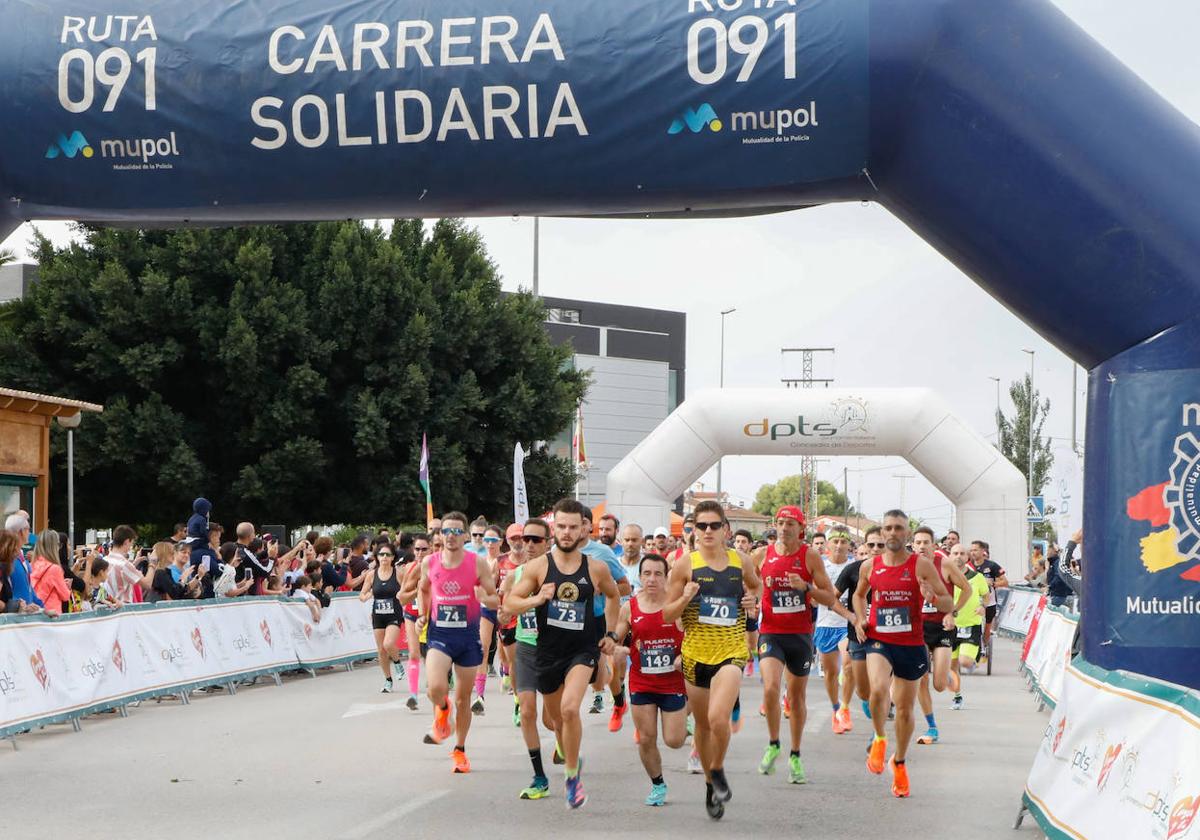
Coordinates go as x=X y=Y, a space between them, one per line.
x=54 y=670
x=1018 y=610
x=1120 y=757
x=1049 y=652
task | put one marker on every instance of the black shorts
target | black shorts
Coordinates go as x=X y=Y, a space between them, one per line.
x=909 y=662
x=937 y=636
x=665 y=702
x=795 y=650
x=989 y=614
x=379 y=622
x=700 y=674
x=974 y=637
x=508 y=636
x=552 y=673
x=751 y=625
x=856 y=649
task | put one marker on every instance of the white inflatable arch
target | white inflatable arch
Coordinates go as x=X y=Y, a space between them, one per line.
x=913 y=423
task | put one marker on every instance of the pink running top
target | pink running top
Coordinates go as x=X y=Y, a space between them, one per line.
x=454 y=606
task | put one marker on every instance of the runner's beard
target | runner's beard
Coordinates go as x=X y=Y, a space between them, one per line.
x=894 y=545
x=567 y=549
x=607 y=540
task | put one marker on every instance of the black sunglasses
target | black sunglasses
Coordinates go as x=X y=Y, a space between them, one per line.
x=480 y=534
x=709 y=526
x=386 y=554
x=874 y=545
x=529 y=538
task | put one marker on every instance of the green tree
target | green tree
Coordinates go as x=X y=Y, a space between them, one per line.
x=1014 y=442
x=788 y=491
x=7 y=255
x=288 y=372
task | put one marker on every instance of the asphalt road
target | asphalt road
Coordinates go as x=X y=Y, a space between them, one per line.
x=332 y=758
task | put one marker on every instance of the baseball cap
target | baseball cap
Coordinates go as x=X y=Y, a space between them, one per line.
x=790 y=512
x=661 y=532
x=514 y=531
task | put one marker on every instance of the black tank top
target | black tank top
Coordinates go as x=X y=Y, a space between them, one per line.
x=566 y=625
x=385 y=592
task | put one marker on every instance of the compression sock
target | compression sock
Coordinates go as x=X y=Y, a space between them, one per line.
x=481 y=682
x=929 y=720
x=866 y=709
x=535 y=758
x=657 y=780
x=414 y=676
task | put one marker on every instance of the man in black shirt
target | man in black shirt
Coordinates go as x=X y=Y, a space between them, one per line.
x=981 y=562
x=845 y=585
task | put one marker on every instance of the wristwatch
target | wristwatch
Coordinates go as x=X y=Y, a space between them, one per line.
x=610 y=634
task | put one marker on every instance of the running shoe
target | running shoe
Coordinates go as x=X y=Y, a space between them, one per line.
x=735 y=718
x=618 y=712
x=539 y=789
x=796 y=771
x=957 y=703
x=930 y=736
x=492 y=670
x=750 y=668
x=477 y=706
x=398 y=669
x=516 y=712
x=899 y=779
x=576 y=798
x=720 y=785
x=658 y=795
x=597 y=704
x=892 y=712
x=691 y=725
x=694 y=766
x=847 y=724
x=876 y=755
x=715 y=808
x=506 y=684
x=461 y=765
x=837 y=723
x=412 y=703
x=558 y=756
x=387 y=686
x=762 y=709
x=787 y=708
x=442 y=725
x=767 y=765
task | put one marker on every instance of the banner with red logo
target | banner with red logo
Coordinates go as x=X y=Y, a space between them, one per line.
x=1120 y=758
x=57 y=669
x=1049 y=652
x=1017 y=613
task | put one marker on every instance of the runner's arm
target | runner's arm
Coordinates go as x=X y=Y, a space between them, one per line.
x=959 y=581
x=623 y=621
x=368 y=579
x=680 y=590
x=931 y=584
x=522 y=597
x=408 y=587
x=424 y=596
x=607 y=586
x=822 y=588
x=487 y=583
x=860 y=599
x=1001 y=580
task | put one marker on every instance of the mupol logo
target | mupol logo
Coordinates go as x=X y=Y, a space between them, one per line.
x=70 y=146
x=696 y=120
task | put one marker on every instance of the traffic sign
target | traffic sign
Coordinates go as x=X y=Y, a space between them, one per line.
x=1035 y=509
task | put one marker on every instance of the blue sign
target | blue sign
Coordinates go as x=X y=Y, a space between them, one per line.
x=1035 y=509
x=191 y=110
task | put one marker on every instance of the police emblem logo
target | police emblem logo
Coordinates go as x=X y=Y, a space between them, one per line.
x=1181 y=497
x=568 y=592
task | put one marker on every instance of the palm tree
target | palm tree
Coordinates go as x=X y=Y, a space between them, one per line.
x=7 y=255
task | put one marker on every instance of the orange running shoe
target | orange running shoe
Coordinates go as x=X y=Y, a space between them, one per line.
x=847 y=724
x=876 y=755
x=461 y=764
x=614 y=722
x=899 y=779
x=787 y=708
x=837 y=723
x=442 y=725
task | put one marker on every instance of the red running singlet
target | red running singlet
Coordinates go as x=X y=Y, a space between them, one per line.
x=656 y=644
x=896 y=603
x=785 y=610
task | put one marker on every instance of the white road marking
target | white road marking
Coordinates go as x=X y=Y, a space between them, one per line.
x=359 y=709
x=385 y=819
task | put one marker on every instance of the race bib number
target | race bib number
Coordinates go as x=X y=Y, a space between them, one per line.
x=658 y=659
x=385 y=606
x=528 y=621
x=451 y=615
x=721 y=611
x=964 y=632
x=787 y=601
x=567 y=615
x=892 y=620
x=928 y=608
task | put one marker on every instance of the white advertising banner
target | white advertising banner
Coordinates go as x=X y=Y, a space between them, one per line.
x=1119 y=758
x=1048 y=653
x=57 y=669
x=1018 y=610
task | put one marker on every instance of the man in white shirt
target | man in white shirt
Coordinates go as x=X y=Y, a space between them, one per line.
x=123 y=575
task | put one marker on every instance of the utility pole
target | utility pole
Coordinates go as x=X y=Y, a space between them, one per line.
x=536 y=249
x=724 y=312
x=996 y=379
x=903 y=478
x=846 y=496
x=807 y=463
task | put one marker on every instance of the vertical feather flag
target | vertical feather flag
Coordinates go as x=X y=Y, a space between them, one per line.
x=423 y=475
x=577 y=443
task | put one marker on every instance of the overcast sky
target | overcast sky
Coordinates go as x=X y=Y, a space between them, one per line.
x=804 y=278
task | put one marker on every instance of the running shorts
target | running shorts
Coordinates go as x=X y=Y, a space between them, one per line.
x=827 y=639
x=665 y=702
x=909 y=662
x=379 y=622
x=490 y=615
x=462 y=646
x=989 y=614
x=508 y=636
x=968 y=642
x=751 y=625
x=553 y=673
x=794 y=650
x=856 y=649
x=936 y=636
x=700 y=674
x=527 y=669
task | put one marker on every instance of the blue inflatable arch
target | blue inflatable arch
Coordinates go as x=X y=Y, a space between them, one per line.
x=998 y=131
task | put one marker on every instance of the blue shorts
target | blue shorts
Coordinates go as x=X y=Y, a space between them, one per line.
x=462 y=645
x=490 y=615
x=665 y=702
x=856 y=649
x=909 y=662
x=827 y=639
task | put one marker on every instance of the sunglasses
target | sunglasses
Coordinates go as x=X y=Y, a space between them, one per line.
x=453 y=532
x=491 y=540
x=709 y=526
x=532 y=539
x=474 y=535
x=386 y=554
x=874 y=545
x=417 y=548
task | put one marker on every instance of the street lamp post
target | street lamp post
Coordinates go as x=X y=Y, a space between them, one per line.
x=1031 y=406
x=996 y=379
x=724 y=312
x=71 y=423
